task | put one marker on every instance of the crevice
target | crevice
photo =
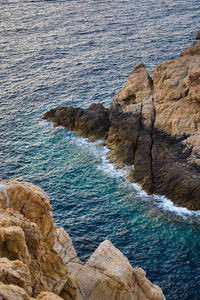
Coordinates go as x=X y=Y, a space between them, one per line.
x=139 y=131
x=151 y=146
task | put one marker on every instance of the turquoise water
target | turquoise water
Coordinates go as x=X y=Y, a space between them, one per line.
x=75 y=53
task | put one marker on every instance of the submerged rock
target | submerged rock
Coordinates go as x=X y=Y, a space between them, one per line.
x=155 y=125
x=31 y=267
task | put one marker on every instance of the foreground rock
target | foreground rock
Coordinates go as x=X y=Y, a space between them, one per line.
x=109 y=275
x=155 y=125
x=32 y=265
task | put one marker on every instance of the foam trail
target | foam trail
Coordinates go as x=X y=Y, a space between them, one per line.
x=3 y=190
x=109 y=169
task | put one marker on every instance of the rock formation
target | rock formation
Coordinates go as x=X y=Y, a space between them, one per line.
x=153 y=124
x=38 y=259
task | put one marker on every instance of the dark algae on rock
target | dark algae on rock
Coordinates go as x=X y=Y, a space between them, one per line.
x=153 y=124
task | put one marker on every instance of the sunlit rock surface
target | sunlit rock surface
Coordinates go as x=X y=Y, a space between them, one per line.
x=154 y=123
x=33 y=268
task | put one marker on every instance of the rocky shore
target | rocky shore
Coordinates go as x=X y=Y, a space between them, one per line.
x=38 y=260
x=153 y=124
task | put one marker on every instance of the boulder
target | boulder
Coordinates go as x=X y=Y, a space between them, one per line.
x=108 y=275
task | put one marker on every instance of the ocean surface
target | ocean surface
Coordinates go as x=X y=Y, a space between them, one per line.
x=56 y=53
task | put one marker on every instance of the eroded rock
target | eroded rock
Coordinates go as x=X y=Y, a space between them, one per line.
x=108 y=275
x=155 y=125
x=22 y=240
x=32 y=202
x=29 y=267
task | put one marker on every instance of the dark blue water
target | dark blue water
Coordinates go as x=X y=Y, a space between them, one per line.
x=75 y=53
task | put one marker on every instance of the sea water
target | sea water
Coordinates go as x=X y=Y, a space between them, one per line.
x=56 y=53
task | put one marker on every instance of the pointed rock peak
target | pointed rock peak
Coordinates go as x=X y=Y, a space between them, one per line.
x=139 y=66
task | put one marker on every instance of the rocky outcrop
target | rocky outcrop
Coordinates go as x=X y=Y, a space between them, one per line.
x=155 y=125
x=108 y=275
x=32 y=202
x=27 y=234
x=92 y=123
x=31 y=266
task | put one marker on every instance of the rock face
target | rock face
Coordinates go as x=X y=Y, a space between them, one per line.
x=27 y=257
x=109 y=275
x=92 y=123
x=153 y=124
x=34 y=265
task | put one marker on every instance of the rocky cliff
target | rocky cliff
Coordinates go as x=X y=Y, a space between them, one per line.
x=38 y=260
x=153 y=123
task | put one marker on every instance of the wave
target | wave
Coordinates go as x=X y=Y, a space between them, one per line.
x=103 y=165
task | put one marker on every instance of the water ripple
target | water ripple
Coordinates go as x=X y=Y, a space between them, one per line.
x=60 y=52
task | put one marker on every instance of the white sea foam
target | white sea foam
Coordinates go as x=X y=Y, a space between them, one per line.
x=3 y=190
x=168 y=205
x=110 y=170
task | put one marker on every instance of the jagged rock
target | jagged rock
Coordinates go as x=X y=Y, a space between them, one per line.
x=12 y=292
x=137 y=87
x=155 y=125
x=31 y=268
x=193 y=50
x=92 y=123
x=15 y=272
x=21 y=239
x=64 y=247
x=123 y=136
x=109 y=275
x=32 y=202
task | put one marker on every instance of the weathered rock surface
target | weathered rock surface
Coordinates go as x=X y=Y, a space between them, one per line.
x=14 y=292
x=27 y=257
x=109 y=275
x=92 y=123
x=31 y=267
x=32 y=202
x=155 y=125
x=64 y=247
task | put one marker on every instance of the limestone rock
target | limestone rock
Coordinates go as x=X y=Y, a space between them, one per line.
x=109 y=275
x=151 y=291
x=31 y=268
x=14 y=292
x=13 y=244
